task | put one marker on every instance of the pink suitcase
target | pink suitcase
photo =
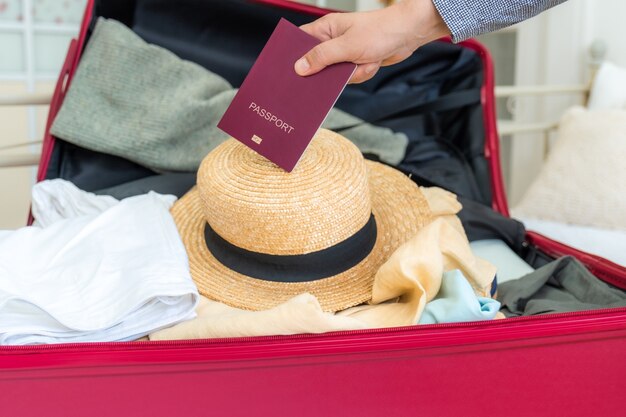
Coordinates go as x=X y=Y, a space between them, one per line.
x=554 y=364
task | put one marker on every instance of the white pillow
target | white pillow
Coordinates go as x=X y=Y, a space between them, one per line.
x=583 y=180
x=609 y=88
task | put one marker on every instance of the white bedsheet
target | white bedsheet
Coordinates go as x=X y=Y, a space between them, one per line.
x=609 y=244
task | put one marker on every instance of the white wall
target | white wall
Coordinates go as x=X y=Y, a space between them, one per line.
x=368 y=4
x=346 y=4
x=608 y=21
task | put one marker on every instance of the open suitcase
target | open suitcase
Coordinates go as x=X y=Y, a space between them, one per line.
x=568 y=363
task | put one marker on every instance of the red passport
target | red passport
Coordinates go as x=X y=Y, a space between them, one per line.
x=276 y=112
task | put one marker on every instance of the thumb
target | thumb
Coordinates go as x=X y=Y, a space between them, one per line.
x=321 y=56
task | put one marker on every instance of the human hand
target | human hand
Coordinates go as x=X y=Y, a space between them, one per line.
x=371 y=39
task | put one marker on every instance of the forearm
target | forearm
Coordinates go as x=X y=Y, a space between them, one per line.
x=468 y=18
x=424 y=23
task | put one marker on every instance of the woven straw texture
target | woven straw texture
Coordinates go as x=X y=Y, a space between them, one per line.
x=328 y=197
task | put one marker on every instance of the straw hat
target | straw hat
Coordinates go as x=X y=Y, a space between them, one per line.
x=257 y=235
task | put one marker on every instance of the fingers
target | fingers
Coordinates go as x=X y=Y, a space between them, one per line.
x=330 y=30
x=320 y=29
x=338 y=45
x=331 y=52
x=323 y=55
x=329 y=26
x=364 y=72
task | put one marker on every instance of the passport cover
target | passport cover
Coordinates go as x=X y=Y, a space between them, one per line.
x=276 y=112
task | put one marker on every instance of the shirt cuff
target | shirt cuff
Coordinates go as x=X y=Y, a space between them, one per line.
x=459 y=17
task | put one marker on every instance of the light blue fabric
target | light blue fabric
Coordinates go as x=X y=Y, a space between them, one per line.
x=456 y=302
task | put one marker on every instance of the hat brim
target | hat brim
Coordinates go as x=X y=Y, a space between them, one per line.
x=400 y=210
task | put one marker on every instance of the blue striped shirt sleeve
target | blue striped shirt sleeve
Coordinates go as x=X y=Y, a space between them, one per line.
x=469 y=18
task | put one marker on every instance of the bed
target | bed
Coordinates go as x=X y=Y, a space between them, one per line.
x=579 y=196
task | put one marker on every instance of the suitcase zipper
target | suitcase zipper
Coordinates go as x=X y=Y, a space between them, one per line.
x=415 y=330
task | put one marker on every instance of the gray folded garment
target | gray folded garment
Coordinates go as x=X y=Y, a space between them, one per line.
x=560 y=286
x=141 y=102
x=389 y=146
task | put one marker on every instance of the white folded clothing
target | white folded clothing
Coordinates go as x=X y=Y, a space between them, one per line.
x=116 y=274
x=55 y=200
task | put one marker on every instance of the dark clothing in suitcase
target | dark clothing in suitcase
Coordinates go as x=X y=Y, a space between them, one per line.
x=561 y=286
x=433 y=97
x=175 y=183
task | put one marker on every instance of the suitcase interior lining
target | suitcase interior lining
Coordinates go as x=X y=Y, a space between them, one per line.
x=446 y=149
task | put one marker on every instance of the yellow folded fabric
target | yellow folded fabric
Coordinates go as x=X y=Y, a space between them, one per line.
x=412 y=276
x=443 y=204
x=300 y=314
